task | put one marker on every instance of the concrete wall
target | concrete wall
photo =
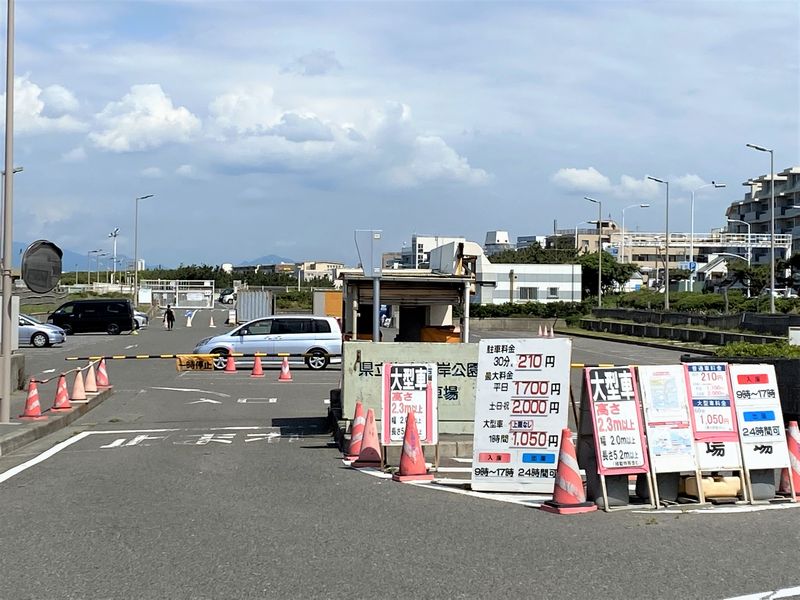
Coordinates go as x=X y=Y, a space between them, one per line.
x=513 y=324
x=700 y=336
x=457 y=370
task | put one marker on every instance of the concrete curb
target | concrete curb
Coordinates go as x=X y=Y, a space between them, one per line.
x=613 y=338
x=32 y=431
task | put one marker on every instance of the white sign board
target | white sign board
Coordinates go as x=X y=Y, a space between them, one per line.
x=521 y=406
x=758 y=409
x=713 y=416
x=666 y=418
x=408 y=387
x=618 y=430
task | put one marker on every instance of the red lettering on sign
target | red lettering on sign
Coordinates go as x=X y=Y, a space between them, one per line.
x=752 y=379
x=494 y=457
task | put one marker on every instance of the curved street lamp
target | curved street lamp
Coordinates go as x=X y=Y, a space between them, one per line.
x=666 y=251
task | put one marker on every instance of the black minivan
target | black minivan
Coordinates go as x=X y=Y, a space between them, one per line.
x=87 y=316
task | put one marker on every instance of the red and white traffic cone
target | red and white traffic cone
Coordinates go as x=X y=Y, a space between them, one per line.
x=258 y=371
x=90 y=385
x=230 y=364
x=370 y=455
x=33 y=410
x=286 y=374
x=102 y=374
x=61 y=401
x=568 y=495
x=793 y=442
x=356 y=433
x=78 y=389
x=412 y=460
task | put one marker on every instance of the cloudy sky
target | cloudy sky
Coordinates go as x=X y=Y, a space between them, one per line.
x=281 y=127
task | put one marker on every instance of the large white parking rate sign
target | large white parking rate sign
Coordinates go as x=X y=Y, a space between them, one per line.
x=521 y=406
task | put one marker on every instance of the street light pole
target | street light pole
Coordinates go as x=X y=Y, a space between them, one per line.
x=8 y=213
x=666 y=242
x=623 y=225
x=136 y=250
x=691 y=235
x=89 y=265
x=114 y=235
x=771 y=223
x=599 y=250
x=749 y=245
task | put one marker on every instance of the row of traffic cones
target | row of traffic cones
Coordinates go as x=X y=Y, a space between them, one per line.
x=258 y=371
x=545 y=332
x=365 y=450
x=62 y=402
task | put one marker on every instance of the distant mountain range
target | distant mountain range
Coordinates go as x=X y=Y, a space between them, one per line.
x=71 y=260
x=269 y=259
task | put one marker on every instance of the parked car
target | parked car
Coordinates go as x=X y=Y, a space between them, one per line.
x=779 y=293
x=315 y=337
x=227 y=296
x=38 y=334
x=142 y=320
x=86 y=316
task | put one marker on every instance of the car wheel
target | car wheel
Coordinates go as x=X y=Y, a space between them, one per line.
x=40 y=340
x=221 y=359
x=113 y=329
x=317 y=360
x=67 y=329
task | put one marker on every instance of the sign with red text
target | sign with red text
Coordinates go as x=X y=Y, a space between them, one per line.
x=616 y=417
x=521 y=406
x=408 y=387
x=758 y=410
x=666 y=418
x=713 y=416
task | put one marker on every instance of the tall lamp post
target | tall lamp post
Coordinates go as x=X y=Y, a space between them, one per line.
x=114 y=235
x=136 y=250
x=623 y=225
x=771 y=223
x=89 y=265
x=691 y=235
x=599 y=250
x=8 y=221
x=666 y=241
x=749 y=246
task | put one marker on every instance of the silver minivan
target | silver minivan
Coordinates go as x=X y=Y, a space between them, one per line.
x=315 y=338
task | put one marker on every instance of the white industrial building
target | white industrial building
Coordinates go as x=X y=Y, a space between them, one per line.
x=504 y=283
x=417 y=256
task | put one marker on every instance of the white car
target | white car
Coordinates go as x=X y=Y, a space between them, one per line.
x=142 y=320
x=39 y=334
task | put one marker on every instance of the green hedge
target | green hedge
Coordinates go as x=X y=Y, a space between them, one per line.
x=543 y=310
x=748 y=349
x=698 y=302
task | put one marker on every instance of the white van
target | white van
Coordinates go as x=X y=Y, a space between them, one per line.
x=308 y=338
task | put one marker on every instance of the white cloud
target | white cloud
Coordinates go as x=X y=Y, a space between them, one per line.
x=186 y=171
x=317 y=62
x=300 y=128
x=243 y=111
x=432 y=160
x=59 y=100
x=35 y=109
x=689 y=182
x=152 y=173
x=75 y=155
x=581 y=180
x=145 y=118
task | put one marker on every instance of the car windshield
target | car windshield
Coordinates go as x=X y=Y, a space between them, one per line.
x=31 y=319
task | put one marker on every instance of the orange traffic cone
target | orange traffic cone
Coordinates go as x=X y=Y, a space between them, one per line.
x=230 y=365
x=370 y=455
x=257 y=370
x=412 y=460
x=356 y=433
x=33 y=410
x=102 y=374
x=61 y=401
x=540 y=330
x=286 y=374
x=793 y=441
x=78 y=390
x=568 y=495
x=552 y=335
x=91 y=381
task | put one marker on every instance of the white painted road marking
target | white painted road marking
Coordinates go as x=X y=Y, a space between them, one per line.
x=131 y=346
x=258 y=437
x=172 y=389
x=772 y=595
x=257 y=400
x=205 y=401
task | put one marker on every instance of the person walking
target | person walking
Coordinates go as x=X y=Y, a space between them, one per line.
x=169 y=318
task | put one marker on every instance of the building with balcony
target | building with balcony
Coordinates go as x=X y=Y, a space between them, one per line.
x=751 y=218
